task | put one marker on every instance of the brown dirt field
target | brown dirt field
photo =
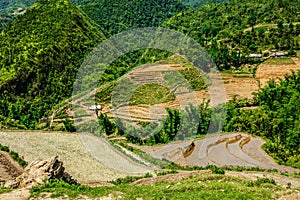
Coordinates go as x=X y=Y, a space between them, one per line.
x=291 y=197
x=266 y=72
x=9 y=169
x=20 y=194
x=224 y=87
x=239 y=85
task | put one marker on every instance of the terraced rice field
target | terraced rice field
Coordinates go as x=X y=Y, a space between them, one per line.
x=231 y=149
x=223 y=88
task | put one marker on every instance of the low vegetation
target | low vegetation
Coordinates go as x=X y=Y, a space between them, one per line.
x=201 y=186
x=151 y=94
x=279 y=61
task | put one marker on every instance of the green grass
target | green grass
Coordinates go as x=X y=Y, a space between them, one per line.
x=279 y=61
x=241 y=76
x=212 y=186
x=194 y=76
x=4 y=190
x=151 y=94
x=129 y=179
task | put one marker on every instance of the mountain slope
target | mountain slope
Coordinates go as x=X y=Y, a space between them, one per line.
x=226 y=29
x=40 y=54
x=10 y=9
x=116 y=16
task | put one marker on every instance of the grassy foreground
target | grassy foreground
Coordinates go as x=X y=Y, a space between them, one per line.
x=212 y=186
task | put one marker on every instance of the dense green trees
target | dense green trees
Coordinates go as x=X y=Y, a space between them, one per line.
x=231 y=31
x=199 y=3
x=117 y=16
x=8 y=9
x=40 y=53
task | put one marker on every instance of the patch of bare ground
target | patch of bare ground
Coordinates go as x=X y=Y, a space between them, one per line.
x=170 y=177
x=19 y=194
x=9 y=169
x=291 y=197
x=266 y=72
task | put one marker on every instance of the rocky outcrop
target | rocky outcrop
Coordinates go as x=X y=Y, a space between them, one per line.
x=40 y=170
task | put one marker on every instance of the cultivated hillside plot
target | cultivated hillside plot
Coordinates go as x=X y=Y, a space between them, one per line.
x=223 y=87
x=93 y=160
x=276 y=70
x=232 y=149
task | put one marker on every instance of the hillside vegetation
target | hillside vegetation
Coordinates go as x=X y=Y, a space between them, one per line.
x=203 y=186
x=231 y=31
x=117 y=16
x=40 y=54
x=199 y=3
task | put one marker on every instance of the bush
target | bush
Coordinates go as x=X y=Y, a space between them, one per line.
x=4 y=148
x=260 y=181
x=129 y=179
x=216 y=170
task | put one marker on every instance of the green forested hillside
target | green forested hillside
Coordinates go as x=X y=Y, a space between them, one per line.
x=40 y=53
x=231 y=31
x=199 y=3
x=116 y=16
x=10 y=9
